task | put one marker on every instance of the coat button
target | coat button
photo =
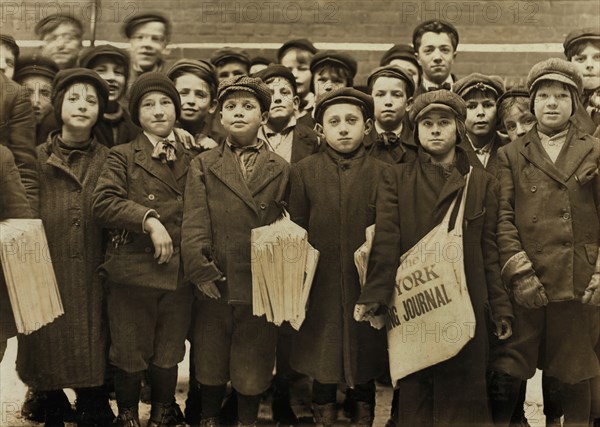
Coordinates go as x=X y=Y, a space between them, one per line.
x=534 y=219
x=263 y=206
x=148 y=249
x=151 y=197
x=76 y=223
x=566 y=216
x=179 y=198
x=533 y=189
x=567 y=244
x=538 y=248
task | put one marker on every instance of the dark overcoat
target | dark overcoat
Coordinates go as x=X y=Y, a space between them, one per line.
x=13 y=204
x=305 y=142
x=333 y=198
x=402 y=152
x=72 y=350
x=131 y=184
x=221 y=209
x=492 y=163
x=412 y=199
x=537 y=196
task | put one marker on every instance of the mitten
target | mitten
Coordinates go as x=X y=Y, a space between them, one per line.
x=529 y=292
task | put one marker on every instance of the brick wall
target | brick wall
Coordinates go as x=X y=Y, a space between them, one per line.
x=490 y=31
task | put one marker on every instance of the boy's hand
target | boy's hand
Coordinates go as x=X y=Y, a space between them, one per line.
x=365 y=312
x=529 y=292
x=209 y=289
x=163 y=245
x=503 y=328
x=591 y=295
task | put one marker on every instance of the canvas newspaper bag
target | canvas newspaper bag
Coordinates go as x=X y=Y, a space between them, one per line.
x=430 y=317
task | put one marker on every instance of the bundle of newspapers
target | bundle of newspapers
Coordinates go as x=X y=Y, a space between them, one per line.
x=283 y=269
x=30 y=280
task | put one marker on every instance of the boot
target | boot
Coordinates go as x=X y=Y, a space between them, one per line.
x=55 y=409
x=164 y=415
x=325 y=415
x=93 y=408
x=503 y=392
x=363 y=414
x=281 y=407
x=239 y=424
x=208 y=422
x=229 y=411
x=193 y=404
x=128 y=417
x=35 y=402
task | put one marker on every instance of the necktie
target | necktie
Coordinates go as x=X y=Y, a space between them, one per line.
x=164 y=151
x=389 y=139
x=248 y=157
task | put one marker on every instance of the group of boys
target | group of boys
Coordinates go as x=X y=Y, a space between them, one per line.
x=202 y=152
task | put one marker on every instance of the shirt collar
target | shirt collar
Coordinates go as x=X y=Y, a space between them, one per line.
x=397 y=131
x=259 y=143
x=429 y=84
x=487 y=148
x=289 y=127
x=154 y=139
x=560 y=135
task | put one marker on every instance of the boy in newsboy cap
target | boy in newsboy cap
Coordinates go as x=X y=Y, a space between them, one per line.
x=139 y=198
x=230 y=190
x=548 y=233
x=412 y=198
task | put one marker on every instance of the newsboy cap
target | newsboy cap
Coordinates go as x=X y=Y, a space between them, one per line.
x=578 y=35
x=10 y=42
x=203 y=69
x=90 y=55
x=478 y=81
x=278 y=70
x=35 y=65
x=555 y=69
x=514 y=92
x=51 y=22
x=151 y=82
x=231 y=53
x=399 y=51
x=303 y=44
x=253 y=85
x=438 y=100
x=395 y=72
x=335 y=57
x=344 y=95
x=132 y=22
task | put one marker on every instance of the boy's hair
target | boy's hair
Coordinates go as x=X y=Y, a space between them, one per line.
x=335 y=71
x=435 y=26
x=275 y=71
x=89 y=57
x=394 y=72
x=486 y=92
x=133 y=22
x=578 y=47
x=202 y=69
x=51 y=23
x=539 y=85
x=178 y=73
x=293 y=86
x=521 y=102
x=10 y=44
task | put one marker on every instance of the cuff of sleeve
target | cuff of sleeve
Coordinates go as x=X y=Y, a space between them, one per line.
x=209 y=273
x=519 y=265
x=149 y=213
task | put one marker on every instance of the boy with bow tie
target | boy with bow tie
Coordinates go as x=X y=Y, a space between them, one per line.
x=140 y=193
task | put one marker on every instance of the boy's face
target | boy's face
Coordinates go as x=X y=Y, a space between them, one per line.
x=344 y=127
x=241 y=117
x=518 y=122
x=157 y=114
x=80 y=107
x=62 y=45
x=436 y=56
x=283 y=102
x=148 y=44
x=300 y=70
x=389 y=96
x=552 y=105
x=481 y=113
x=409 y=67
x=437 y=133
x=113 y=73
x=196 y=102
x=231 y=69
x=39 y=89
x=324 y=81
x=7 y=61
x=588 y=63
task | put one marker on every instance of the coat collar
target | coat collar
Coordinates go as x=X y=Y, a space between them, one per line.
x=143 y=158
x=574 y=151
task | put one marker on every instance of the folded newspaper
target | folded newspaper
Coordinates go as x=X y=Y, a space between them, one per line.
x=361 y=260
x=30 y=280
x=283 y=269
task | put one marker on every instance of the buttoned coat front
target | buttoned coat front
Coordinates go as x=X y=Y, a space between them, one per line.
x=221 y=209
x=549 y=210
x=131 y=184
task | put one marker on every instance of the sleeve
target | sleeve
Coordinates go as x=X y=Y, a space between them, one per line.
x=111 y=206
x=385 y=253
x=299 y=203
x=13 y=198
x=21 y=141
x=196 y=230
x=499 y=300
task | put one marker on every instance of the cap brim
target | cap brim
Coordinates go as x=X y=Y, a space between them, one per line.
x=435 y=106
x=556 y=78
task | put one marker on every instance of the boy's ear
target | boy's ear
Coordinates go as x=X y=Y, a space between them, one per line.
x=264 y=117
x=213 y=106
x=409 y=103
x=296 y=102
x=319 y=129
x=368 y=126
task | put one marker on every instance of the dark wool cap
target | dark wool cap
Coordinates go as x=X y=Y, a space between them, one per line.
x=335 y=57
x=277 y=70
x=151 y=82
x=345 y=95
x=10 y=42
x=254 y=85
x=555 y=69
x=260 y=60
x=580 y=35
x=65 y=78
x=230 y=53
x=438 y=100
x=49 y=23
x=481 y=82
x=303 y=44
x=514 y=92
x=35 y=65
x=133 y=21
x=87 y=58
x=203 y=69
x=399 y=51
x=424 y=26
x=395 y=72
